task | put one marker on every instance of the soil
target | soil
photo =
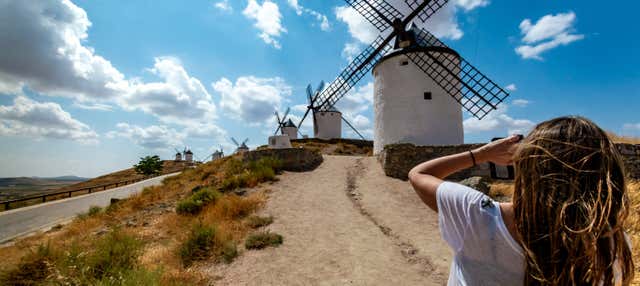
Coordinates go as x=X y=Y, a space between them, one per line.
x=344 y=223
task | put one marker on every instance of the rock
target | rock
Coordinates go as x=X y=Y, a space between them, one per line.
x=240 y=192
x=478 y=183
x=101 y=231
x=146 y=223
x=131 y=223
x=114 y=201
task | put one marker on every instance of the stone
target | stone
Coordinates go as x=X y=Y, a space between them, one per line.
x=477 y=183
x=101 y=231
x=114 y=201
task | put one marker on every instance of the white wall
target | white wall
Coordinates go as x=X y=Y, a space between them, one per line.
x=402 y=115
x=329 y=125
x=291 y=131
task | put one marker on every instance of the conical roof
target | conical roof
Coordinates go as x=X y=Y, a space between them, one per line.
x=289 y=123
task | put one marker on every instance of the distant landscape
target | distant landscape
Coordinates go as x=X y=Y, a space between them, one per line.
x=13 y=188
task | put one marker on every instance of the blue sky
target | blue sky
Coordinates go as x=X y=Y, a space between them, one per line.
x=88 y=87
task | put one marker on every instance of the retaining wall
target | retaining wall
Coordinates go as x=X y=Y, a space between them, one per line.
x=397 y=160
x=293 y=159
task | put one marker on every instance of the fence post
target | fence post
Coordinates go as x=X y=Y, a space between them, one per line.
x=6 y=206
x=89 y=190
x=44 y=198
x=69 y=193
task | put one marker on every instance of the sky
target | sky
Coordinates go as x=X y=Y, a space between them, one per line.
x=88 y=87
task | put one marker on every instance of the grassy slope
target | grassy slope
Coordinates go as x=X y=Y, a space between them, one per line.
x=172 y=244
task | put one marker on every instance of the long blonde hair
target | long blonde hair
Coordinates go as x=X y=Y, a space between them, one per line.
x=570 y=204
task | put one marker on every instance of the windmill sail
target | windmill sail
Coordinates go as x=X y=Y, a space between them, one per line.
x=378 y=12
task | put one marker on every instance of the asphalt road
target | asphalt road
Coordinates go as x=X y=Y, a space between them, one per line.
x=22 y=221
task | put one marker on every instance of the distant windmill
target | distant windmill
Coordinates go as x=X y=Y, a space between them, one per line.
x=419 y=82
x=326 y=123
x=241 y=147
x=188 y=155
x=178 y=155
x=218 y=154
x=286 y=126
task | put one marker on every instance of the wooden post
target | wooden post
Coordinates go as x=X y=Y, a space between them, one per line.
x=44 y=199
x=6 y=206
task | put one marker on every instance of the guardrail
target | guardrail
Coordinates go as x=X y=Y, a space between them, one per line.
x=43 y=197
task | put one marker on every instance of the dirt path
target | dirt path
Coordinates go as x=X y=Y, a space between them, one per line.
x=344 y=223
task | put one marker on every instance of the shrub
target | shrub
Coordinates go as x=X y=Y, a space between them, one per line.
x=194 y=204
x=255 y=221
x=199 y=244
x=149 y=165
x=93 y=211
x=229 y=252
x=262 y=240
x=32 y=269
x=114 y=254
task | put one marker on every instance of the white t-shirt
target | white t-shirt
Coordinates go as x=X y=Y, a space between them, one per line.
x=471 y=223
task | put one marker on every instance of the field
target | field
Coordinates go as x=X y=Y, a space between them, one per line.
x=12 y=188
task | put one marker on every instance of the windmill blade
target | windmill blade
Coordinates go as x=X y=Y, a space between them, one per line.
x=350 y=76
x=245 y=141
x=310 y=93
x=352 y=127
x=277 y=129
x=304 y=117
x=320 y=87
x=284 y=118
x=473 y=90
x=235 y=142
x=177 y=151
x=378 y=12
x=427 y=11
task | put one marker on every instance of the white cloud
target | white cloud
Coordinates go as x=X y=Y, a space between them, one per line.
x=469 y=5
x=631 y=129
x=267 y=19
x=43 y=47
x=295 y=5
x=252 y=99
x=223 y=6
x=520 y=102
x=321 y=18
x=93 y=106
x=547 y=33
x=30 y=118
x=179 y=98
x=151 y=137
x=358 y=100
x=358 y=26
x=498 y=121
x=511 y=87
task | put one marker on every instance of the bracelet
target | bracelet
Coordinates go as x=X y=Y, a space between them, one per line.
x=473 y=158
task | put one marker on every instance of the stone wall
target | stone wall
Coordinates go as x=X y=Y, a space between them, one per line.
x=293 y=159
x=631 y=156
x=355 y=142
x=397 y=160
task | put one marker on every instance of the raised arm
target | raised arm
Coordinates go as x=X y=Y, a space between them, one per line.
x=426 y=177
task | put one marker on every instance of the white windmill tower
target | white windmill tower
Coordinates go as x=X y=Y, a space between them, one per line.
x=241 y=148
x=419 y=81
x=283 y=140
x=188 y=155
x=327 y=122
x=178 y=155
x=218 y=154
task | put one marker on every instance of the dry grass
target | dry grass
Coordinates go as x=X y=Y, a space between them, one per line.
x=623 y=139
x=165 y=233
x=633 y=227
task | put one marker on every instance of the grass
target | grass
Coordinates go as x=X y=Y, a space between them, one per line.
x=623 y=139
x=263 y=239
x=194 y=204
x=255 y=221
x=92 y=212
x=170 y=239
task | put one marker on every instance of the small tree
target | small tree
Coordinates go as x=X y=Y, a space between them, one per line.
x=149 y=165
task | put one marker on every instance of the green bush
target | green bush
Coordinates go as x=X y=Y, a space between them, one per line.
x=93 y=211
x=255 y=221
x=194 y=203
x=114 y=254
x=229 y=252
x=199 y=244
x=262 y=240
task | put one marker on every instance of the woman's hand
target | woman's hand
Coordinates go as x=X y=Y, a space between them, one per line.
x=499 y=152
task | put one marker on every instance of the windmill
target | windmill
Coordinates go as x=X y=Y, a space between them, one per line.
x=188 y=155
x=241 y=148
x=286 y=126
x=218 y=154
x=178 y=155
x=326 y=123
x=420 y=83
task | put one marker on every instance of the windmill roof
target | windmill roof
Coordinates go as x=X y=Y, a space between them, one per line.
x=188 y=152
x=289 y=123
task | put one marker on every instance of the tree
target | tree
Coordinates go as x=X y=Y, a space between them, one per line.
x=149 y=165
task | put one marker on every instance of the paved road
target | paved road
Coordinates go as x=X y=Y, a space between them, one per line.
x=18 y=222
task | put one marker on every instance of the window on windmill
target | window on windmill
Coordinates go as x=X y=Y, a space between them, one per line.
x=404 y=62
x=427 y=96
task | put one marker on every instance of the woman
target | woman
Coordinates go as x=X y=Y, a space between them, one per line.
x=564 y=225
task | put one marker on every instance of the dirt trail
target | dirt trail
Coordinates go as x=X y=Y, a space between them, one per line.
x=344 y=223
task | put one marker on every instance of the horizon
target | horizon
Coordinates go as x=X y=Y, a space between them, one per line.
x=88 y=87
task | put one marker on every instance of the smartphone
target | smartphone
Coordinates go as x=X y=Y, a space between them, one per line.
x=500 y=172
